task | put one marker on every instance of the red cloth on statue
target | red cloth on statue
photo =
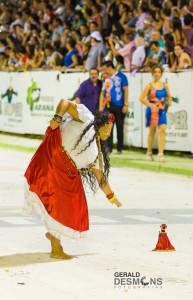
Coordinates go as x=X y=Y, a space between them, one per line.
x=164 y=243
x=61 y=193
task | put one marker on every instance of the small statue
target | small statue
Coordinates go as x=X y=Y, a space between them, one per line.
x=163 y=243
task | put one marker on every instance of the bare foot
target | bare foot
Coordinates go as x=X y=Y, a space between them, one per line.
x=57 y=252
x=60 y=255
x=48 y=236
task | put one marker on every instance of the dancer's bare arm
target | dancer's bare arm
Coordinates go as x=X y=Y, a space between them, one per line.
x=144 y=96
x=105 y=187
x=63 y=107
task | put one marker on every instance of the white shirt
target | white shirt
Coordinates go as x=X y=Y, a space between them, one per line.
x=71 y=131
x=138 y=56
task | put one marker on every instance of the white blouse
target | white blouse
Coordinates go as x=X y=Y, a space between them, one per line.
x=71 y=131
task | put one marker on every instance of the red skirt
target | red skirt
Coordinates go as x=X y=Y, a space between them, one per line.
x=163 y=243
x=58 y=187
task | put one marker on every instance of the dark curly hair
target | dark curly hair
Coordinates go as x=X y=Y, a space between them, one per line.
x=100 y=119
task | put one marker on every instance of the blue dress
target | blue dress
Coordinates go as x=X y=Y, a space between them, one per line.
x=68 y=58
x=154 y=118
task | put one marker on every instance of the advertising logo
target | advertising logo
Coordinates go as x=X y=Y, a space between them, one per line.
x=33 y=95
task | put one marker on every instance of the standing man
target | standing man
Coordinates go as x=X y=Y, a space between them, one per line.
x=89 y=91
x=115 y=98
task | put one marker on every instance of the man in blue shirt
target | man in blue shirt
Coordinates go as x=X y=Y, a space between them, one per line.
x=115 y=98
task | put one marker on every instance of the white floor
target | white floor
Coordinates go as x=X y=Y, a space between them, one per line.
x=119 y=240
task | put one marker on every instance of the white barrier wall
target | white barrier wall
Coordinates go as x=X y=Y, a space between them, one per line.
x=28 y=101
x=133 y=124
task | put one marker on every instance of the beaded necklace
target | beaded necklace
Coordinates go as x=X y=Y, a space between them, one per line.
x=81 y=171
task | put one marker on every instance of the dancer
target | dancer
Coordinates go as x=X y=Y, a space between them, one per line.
x=72 y=150
x=154 y=96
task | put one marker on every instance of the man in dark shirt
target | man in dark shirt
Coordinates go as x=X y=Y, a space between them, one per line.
x=89 y=91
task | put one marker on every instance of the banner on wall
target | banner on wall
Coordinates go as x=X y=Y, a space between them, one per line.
x=47 y=90
x=28 y=101
x=11 y=103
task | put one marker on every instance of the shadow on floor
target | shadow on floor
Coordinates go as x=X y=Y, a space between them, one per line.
x=22 y=259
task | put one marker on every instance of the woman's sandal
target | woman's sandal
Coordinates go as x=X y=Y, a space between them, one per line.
x=150 y=156
x=161 y=157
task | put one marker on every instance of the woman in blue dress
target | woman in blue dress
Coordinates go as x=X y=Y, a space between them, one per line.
x=154 y=97
x=71 y=58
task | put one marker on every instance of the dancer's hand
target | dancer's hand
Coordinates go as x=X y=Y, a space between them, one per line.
x=154 y=107
x=125 y=109
x=117 y=202
x=54 y=124
x=170 y=102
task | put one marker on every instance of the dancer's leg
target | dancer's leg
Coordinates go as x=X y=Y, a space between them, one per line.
x=161 y=143
x=150 y=139
x=57 y=250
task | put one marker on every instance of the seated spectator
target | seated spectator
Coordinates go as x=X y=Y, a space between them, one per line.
x=3 y=61
x=188 y=32
x=18 y=21
x=175 y=12
x=139 y=54
x=123 y=13
x=85 y=36
x=117 y=33
x=113 y=12
x=155 y=57
x=78 y=20
x=169 y=49
x=96 y=17
x=26 y=16
x=141 y=13
x=158 y=20
x=83 y=58
x=96 y=53
x=71 y=57
x=93 y=26
x=50 y=56
x=182 y=60
x=165 y=14
x=127 y=51
x=57 y=29
x=132 y=17
x=3 y=45
x=75 y=35
x=119 y=63
x=156 y=37
x=34 y=20
x=147 y=31
x=48 y=13
x=104 y=14
x=37 y=60
x=177 y=32
x=23 y=56
x=59 y=11
x=12 y=61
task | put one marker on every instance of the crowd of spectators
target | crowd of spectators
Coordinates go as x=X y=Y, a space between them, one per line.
x=82 y=34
